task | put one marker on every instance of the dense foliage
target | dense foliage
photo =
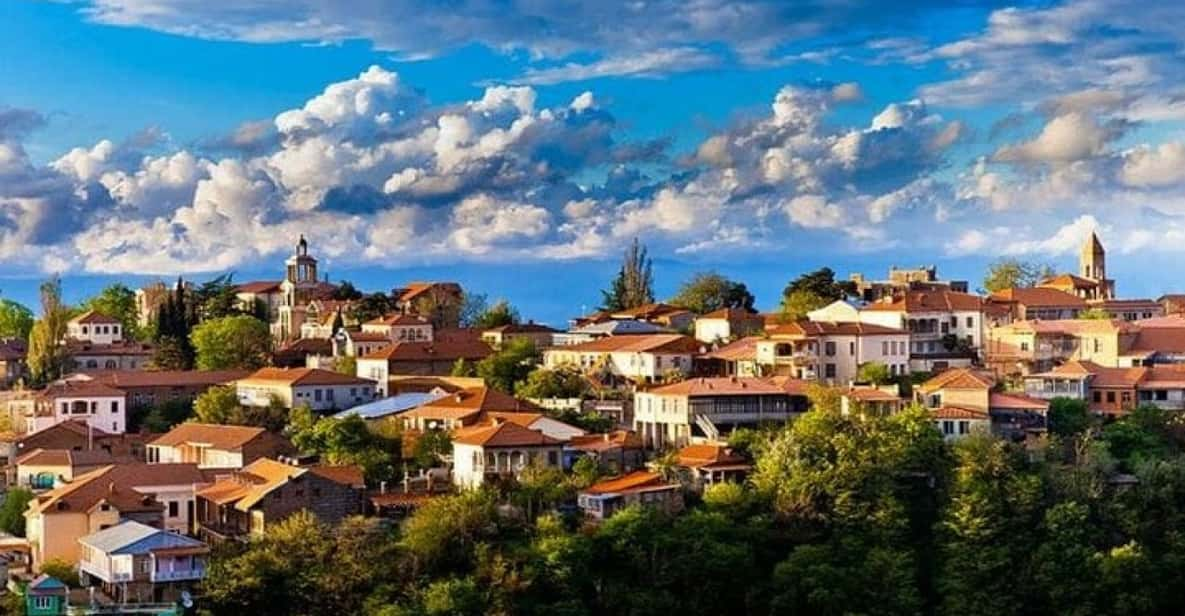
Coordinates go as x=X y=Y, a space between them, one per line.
x=634 y=284
x=855 y=514
x=1008 y=273
x=15 y=320
x=233 y=342
x=708 y=291
x=118 y=301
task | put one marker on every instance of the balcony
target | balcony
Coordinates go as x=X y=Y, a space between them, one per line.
x=103 y=573
x=177 y=575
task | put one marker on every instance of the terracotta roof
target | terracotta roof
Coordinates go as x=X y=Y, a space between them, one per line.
x=80 y=389
x=719 y=386
x=626 y=439
x=65 y=457
x=437 y=350
x=1163 y=376
x=523 y=419
x=1039 y=297
x=165 y=378
x=1169 y=321
x=649 y=311
x=745 y=348
x=958 y=378
x=115 y=484
x=732 y=314
x=1071 y=369
x=246 y=487
x=81 y=348
x=954 y=412
x=1160 y=339
x=226 y=438
x=1117 y=378
x=91 y=316
x=469 y=402
x=1002 y=400
x=830 y=328
x=871 y=394
x=398 y=319
x=930 y=301
x=259 y=286
x=1069 y=280
x=363 y=336
x=346 y=475
x=635 y=481
x=710 y=455
x=792 y=386
x=644 y=343
x=1072 y=326
x=303 y=376
x=415 y=289
x=502 y=434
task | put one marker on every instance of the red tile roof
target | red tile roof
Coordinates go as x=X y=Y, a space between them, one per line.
x=930 y=301
x=437 y=350
x=830 y=328
x=633 y=482
x=625 y=439
x=502 y=434
x=469 y=402
x=226 y=438
x=719 y=386
x=166 y=378
x=958 y=378
x=1039 y=297
x=644 y=343
x=1002 y=400
x=91 y=316
x=954 y=412
x=302 y=377
x=745 y=348
x=710 y=455
x=259 y=286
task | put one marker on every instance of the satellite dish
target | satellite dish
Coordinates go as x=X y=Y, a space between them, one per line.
x=186 y=599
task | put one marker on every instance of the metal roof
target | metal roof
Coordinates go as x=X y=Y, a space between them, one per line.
x=390 y=406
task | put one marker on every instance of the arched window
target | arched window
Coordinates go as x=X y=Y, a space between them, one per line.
x=91 y=363
x=110 y=364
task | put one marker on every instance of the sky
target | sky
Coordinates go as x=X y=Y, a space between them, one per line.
x=518 y=146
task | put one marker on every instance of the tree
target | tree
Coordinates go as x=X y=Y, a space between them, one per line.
x=217 y=298
x=501 y=313
x=1008 y=273
x=874 y=372
x=12 y=510
x=1068 y=416
x=47 y=355
x=62 y=570
x=346 y=292
x=431 y=448
x=118 y=301
x=462 y=368
x=634 y=284
x=344 y=441
x=347 y=365
x=821 y=283
x=708 y=291
x=161 y=417
x=509 y=365
x=236 y=342
x=371 y=306
x=16 y=320
x=563 y=382
x=174 y=323
x=473 y=305
x=216 y=405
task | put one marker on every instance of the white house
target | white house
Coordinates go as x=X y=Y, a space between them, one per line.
x=320 y=390
x=645 y=357
x=830 y=351
x=100 y=406
x=94 y=327
x=955 y=423
x=727 y=324
x=400 y=328
x=215 y=446
x=500 y=449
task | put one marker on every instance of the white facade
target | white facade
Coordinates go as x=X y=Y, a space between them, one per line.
x=95 y=333
x=106 y=413
x=627 y=364
x=316 y=397
x=204 y=457
x=377 y=370
x=836 y=358
x=471 y=463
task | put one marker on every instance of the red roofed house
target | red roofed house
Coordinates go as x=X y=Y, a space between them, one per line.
x=320 y=390
x=438 y=302
x=500 y=448
x=602 y=499
x=1012 y=415
x=435 y=358
x=639 y=358
x=831 y=351
x=619 y=451
x=216 y=446
x=700 y=409
x=146 y=388
x=946 y=329
x=463 y=408
x=94 y=341
x=727 y=324
x=710 y=463
x=955 y=423
x=99 y=405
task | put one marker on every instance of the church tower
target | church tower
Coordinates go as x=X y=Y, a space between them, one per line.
x=1093 y=263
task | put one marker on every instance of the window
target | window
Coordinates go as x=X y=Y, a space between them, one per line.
x=329 y=394
x=1162 y=394
x=552 y=459
x=1097 y=396
x=114 y=406
x=954 y=321
x=145 y=565
x=1024 y=346
x=885 y=347
x=829 y=349
x=829 y=371
x=84 y=329
x=43 y=602
x=970 y=321
x=964 y=427
x=1096 y=345
x=851 y=348
x=1110 y=397
x=174 y=509
x=948 y=427
x=317 y=491
x=317 y=395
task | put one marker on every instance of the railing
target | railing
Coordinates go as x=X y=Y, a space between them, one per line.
x=196 y=573
x=103 y=573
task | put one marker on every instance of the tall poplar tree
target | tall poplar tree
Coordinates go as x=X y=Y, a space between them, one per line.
x=47 y=347
x=634 y=284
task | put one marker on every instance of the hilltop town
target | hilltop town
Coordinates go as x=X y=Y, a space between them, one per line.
x=303 y=446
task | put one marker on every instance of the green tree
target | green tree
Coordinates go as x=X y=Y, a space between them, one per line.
x=160 y=417
x=236 y=342
x=563 y=382
x=174 y=323
x=118 y=301
x=821 y=283
x=796 y=304
x=216 y=405
x=63 y=571
x=509 y=365
x=461 y=367
x=371 y=306
x=12 y=510
x=47 y=356
x=499 y=314
x=347 y=365
x=874 y=372
x=345 y=291
x=708 y=291
x=1094 y=314
x=16 y=320
x=1068 y=416
x=1008 y=273
x=634 y=284
x=473 y=305
x=441 y=535
x=217 y=298
x=344 y=441
x=431 y=447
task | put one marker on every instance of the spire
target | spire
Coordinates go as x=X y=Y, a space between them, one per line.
x=302 y=246
x=1093 y=246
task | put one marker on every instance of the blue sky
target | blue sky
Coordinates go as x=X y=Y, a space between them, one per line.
x=518 y=146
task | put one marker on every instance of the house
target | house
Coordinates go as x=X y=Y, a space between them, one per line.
x=664 y=315
x=831 y=351
x=500 y=449
x=247 y=502
x=350 y=343
x=1128 y=309
x=958 y=387
x=727 y=324
x=462 y=408
x=262 y=295
x=158 y=495
x=45 y=469
x=1025 y=347
x=298 y=289
x=1033 y=303
x=882 y=400
x=320 y=390
x=701 y=409
x=148 y=388
x=604 y=498
x=435 y=358
x=46 y=596
x=137 y=563
x=1111 y=391
x=100 y=406
x=12 y=361
x=401 y=328
x=76 y=435
x=303 y=353
x=737 y=358
x=95 y=341
x=955 y=423
x=438 y=302
x=711 y=463
x=214 y=446
x=617 y=452
x=1172 y=303
x=600 y=329
x=945 y=328
x=1012 y=415
x=541 y=336
x=639 y=358
x=903 y=279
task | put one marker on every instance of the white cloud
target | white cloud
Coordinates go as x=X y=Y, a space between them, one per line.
x=814 y=212
x=1064 y=139
x=1160 y=166
x=647 y=64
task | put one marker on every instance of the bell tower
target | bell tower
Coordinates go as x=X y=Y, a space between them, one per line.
x=301 y=268
x=1093 y=259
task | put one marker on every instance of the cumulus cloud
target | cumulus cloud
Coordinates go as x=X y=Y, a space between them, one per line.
x=1157 y=167
x=1065 y=138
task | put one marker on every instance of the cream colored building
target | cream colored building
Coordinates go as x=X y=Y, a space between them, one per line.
x=829 y=351
x=320 y=390
x=501 y=449
x=644 y=358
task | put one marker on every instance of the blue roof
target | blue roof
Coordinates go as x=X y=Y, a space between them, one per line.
x=131 y=537
x=46 y=582
x=390 y=406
